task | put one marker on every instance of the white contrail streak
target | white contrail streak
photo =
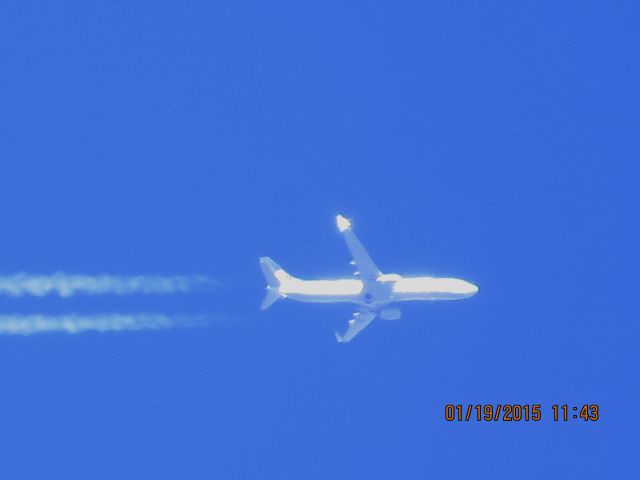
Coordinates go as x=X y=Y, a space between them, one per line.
x=67 y=285
x=33 y=324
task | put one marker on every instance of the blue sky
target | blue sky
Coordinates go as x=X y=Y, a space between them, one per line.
x=497 y=143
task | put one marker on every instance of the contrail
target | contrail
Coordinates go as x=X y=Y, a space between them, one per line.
x=33 y=324
x=67 y=285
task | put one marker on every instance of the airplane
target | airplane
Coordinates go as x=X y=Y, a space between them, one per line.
x=370 y=289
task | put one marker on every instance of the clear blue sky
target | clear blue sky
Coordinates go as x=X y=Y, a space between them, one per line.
x=494 y=142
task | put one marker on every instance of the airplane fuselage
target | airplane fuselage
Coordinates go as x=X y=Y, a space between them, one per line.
x=386 y=289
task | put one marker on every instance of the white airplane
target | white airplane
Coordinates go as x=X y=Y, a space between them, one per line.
x=372 y=291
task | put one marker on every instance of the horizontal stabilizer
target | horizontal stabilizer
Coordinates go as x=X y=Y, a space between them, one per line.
x=270 y=298
x=274 y=274
x=269 y=269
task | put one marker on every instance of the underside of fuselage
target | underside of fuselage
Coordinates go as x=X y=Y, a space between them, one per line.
x=353 y=290
x=336 y=290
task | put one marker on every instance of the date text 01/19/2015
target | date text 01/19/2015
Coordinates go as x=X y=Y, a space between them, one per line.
x=512 y=412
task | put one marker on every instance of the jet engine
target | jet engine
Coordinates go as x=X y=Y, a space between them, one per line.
x=390 y=313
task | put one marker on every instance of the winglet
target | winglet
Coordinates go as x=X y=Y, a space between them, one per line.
x=339 y=337
x=343 y=223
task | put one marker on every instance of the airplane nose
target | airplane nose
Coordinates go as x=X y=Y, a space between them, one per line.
x=473 y=289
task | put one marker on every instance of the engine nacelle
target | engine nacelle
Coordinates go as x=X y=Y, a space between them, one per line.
x=390 y=313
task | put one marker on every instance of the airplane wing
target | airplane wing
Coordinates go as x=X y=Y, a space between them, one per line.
x=361 y=259
x=359 y=321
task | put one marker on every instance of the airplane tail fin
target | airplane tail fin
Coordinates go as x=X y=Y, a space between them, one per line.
x=274 y=275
